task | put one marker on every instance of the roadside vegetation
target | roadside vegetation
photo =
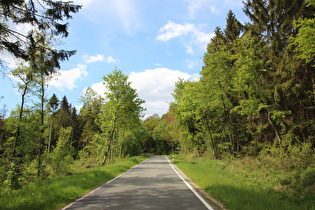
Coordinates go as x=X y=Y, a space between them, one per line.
x=250 y=183
x=247 y=124
x=56 y=192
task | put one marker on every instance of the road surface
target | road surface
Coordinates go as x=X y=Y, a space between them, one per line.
x=153 y=184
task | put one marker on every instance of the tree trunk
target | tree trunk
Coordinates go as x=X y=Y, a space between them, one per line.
x=17 y=135
x=49 y=141
x=109 y=142
x=272 y=125
x=232 y=143
x=212 y=140
x=227 y=116
x=40 y=142
x=111 y=154
x=71 y=139
x=213 y=145
x=1 y=137
x=121 y=145
x=106 y=154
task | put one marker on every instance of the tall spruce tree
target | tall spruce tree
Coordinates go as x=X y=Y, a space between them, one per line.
x=43 y=15
x=64 y=113
x=233 y=28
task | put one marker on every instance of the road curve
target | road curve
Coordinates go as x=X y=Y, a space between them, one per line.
x=153 y=184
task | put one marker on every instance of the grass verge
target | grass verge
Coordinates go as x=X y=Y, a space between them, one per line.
x=54 y=193
x=239 y=185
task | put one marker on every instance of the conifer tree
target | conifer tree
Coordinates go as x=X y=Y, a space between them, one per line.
x=64 y=113
x=233 y=28
x=43 y=15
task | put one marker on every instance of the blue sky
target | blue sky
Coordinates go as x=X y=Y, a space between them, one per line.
x=154 y=42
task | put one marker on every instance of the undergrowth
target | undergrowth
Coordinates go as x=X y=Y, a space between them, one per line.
x=254 y=183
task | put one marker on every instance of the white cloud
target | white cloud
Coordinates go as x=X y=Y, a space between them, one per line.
x=195 y=77
x=127 y=13
x=10 y=61
x=202 y=38
x=78 y=108
x=214 y=9
x=195 y=7
x=110 y=59
x=99 y=58
x=154 y=86
x=93 y=59
x=84 y=3
x=195 y=35
x=191 y=64
x=24 y=28
x=67 y=79
x=99 y=88
x=173 y=30
x=189 y=49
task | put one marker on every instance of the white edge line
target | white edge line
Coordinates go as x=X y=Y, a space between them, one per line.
x=191 y=188
x=68 y=206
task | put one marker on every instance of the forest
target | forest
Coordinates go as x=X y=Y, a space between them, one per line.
x=255 y=98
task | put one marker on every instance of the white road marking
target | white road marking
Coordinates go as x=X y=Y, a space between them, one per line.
x=64 y=208
x=191 y=188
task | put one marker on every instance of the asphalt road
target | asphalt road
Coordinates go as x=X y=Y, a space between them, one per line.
x=153 y=184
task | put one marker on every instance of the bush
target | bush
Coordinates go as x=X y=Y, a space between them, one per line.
x=287 y=158
x=60 y=158
x=12 y=180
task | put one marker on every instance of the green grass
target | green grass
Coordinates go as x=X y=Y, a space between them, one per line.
x=54 y=193
x=239 y=185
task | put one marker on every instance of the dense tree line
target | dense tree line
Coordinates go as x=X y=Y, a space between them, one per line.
x=256 y=93
x=256 y=90
x=43 y=136
x=104 y=129
x=26 y=125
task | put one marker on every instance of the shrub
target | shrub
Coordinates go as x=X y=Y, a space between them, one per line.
x=12 y=180
x=60 y=158
x=287 y=158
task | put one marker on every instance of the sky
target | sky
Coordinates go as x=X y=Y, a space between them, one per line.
x=154 y=42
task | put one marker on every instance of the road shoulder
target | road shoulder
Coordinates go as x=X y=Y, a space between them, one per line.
x=215 y=203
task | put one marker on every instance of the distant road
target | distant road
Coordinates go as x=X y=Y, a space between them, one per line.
x=153 y=184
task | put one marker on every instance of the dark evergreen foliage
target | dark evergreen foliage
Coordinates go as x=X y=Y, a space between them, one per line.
x=42 y=15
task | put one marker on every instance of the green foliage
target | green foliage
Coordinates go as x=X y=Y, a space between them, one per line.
x=123 y=101
x=254 y=100
x=121 y=111
x=12 y=181
x=60 y=158
x=288 y=158
x=256 y=87
x=244 y=184
x=305 y=39
x=44 y=15
x=150 y=123
x=92 y=104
